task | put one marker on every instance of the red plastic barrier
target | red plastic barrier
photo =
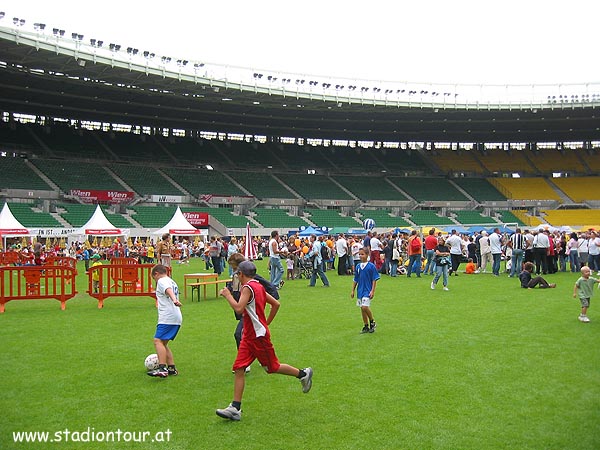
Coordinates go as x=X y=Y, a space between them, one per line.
x=121 y=280
x=37 y=282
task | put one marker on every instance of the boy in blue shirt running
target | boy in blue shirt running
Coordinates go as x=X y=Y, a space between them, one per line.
x=365 y=277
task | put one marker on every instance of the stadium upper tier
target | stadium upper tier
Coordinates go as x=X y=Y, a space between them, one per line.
x=51 y=75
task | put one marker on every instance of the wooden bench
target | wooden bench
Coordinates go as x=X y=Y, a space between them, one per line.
x=196 y=287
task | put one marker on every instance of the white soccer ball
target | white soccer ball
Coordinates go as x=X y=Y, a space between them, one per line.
x=368 y=224
x=151 y=362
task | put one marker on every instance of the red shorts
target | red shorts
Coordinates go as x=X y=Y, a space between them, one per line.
x=260 y=348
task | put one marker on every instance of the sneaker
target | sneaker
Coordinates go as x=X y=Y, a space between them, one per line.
x=247 y=370
x=230 y=413
x=552 y=285
x=477 y=271
x=432 y=285
x=365 y=329
x=585 y=319
x=445 y=288
x=306 y=380
x=172 y=372
x=162 y=373
x=281 y=283
x=372 y=327
x=581 y=318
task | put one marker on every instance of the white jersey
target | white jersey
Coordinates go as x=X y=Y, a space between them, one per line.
x=168 y=313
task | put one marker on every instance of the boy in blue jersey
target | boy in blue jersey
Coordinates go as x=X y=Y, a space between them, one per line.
x=365 y=277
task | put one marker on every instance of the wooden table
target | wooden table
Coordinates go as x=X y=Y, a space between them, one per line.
x=199 y=277
x=203 y=284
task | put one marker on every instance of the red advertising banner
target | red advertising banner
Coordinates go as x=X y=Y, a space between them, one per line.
x=90 y=196
x=197 y=219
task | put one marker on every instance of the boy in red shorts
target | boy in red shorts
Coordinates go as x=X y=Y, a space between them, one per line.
x=256 y=338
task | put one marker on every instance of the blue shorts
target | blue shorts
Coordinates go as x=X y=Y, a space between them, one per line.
x=166 y=332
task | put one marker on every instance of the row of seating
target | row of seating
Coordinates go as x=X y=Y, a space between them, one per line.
x=65 y=141
x=147 y=180
x=156 y=216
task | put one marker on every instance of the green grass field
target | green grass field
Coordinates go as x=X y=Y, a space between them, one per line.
x=486 y=365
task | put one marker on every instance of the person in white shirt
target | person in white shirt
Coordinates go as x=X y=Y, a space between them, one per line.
x=541 y=243
x=376 y=248
x=594 y=251
x=454 y=241
x=341 y=249
x=496 y=248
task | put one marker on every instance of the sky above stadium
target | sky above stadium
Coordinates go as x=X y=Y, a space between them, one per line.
x=440 y=41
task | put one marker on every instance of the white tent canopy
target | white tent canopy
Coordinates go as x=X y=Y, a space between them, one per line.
x=178 y=225
x=99 y=225
x=9 y=226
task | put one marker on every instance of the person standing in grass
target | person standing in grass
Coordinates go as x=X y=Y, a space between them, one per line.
x=365 y=278
x=169 y=321
x=96 y=273
x=442 y=263
x=256 y=338
x=584 y=286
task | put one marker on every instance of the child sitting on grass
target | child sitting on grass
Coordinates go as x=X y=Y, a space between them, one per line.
x=470 y=267
x=527 y=282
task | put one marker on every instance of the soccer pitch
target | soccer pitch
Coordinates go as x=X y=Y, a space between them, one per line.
x=486 y=365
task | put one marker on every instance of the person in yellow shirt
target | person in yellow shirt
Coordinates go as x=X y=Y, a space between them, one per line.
x=96 y=273
x=150 y=253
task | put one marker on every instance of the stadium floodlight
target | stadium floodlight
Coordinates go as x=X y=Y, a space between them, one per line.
x=39 y=26
x=15 y=20
x=2 y=14
x=198 y=65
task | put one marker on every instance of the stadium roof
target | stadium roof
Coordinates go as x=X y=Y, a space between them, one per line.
x=49 y=75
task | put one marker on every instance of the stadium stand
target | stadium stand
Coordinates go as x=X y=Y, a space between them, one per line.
x=15 y=174
x=277 y=218
x=480 y=189
x=370 y=188
x=382 y=218
x=144 y=180
x=199 y=182
x=26 y=214
x=446 y=160
x=189 y=150
x=590 y=158
x=19 y=137
x=552 y=160
x=82 y=176
x=572 y=217
x=579 y=189
x=253 y=156
x=152 y=216
x=424 y=189
x=525 y=188
x=509 y=217
x=315 y=187
x=397 y=161
x=350 y=160
x=134 y=147
x=502 y=161
x=466 y=217
x=331 y=218
x=225 y=216
x=428 y=217
x=523 y=218
x=65 y=141
x=261 y=184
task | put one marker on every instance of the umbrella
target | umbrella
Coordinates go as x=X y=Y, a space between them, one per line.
x=249 y=250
